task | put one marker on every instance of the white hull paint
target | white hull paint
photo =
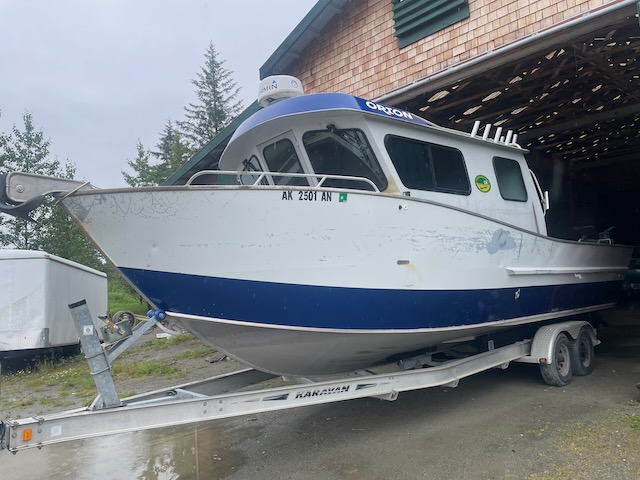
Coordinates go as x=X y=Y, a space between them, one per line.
x=369 y=242
x=364 y=242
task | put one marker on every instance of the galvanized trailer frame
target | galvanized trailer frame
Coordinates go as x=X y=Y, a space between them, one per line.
x=218 y=397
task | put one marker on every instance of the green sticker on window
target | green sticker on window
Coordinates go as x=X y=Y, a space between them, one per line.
x=483 y=183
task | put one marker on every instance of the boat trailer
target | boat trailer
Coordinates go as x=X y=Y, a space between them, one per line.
x=227 y=395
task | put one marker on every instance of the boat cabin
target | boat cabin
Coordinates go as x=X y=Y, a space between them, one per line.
x=339 y=141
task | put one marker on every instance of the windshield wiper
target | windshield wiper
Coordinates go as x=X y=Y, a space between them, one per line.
x=353 y=140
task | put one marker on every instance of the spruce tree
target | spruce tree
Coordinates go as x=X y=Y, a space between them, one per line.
x=26 y=151
x=153 y=167
x=54 y=232
x=171 y=152
x=217 y=103
x=144 y=171
x=217 y=106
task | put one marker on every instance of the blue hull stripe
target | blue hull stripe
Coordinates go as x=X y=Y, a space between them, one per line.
x=358 y=308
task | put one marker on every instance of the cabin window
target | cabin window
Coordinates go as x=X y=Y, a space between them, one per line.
x=427 y=166
x=281 y=157
x=510 y=181
x=344 y=152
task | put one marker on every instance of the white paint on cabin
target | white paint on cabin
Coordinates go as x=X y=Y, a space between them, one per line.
x=478 y=157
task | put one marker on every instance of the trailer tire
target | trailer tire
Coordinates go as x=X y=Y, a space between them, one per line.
x=582 y=354
x=124 y=316
x=560 y=372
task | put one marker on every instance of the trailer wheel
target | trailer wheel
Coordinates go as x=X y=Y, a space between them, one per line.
x=559 y=372
x=582 y=354
x=124 y=316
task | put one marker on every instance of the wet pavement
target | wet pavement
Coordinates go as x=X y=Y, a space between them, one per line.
x=498 y=424
x=196 y=452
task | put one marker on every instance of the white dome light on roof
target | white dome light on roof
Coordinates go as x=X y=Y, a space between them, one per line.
x=278 y=87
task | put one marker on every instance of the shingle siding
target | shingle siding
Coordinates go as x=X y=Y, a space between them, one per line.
x=358 y=52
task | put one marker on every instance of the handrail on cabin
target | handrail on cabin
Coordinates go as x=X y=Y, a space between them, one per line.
x=261 y=176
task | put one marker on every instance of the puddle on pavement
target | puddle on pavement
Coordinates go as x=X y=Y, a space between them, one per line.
x=189 y=452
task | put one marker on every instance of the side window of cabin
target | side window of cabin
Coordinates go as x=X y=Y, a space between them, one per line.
x=427 y=166
x=343 y=152
x=510 y=181
x=281 y=157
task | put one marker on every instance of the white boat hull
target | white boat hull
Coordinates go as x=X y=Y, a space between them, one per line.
x=307 y=281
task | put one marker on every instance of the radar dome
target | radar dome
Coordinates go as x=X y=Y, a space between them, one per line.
x=278 y=87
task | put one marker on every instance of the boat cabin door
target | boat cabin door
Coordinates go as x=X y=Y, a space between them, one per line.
x=282 y=155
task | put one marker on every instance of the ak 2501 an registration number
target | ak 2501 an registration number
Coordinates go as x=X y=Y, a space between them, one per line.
x=312 y=196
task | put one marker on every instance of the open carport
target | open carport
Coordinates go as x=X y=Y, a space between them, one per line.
x=571 y=95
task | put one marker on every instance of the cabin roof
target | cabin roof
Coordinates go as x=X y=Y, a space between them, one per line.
x=323 y=102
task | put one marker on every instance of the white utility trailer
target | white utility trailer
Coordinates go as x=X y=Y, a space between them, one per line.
x=561 y=349
x=36 y=289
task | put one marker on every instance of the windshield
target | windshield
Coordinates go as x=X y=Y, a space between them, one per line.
x=343 y=152
x=281 y=157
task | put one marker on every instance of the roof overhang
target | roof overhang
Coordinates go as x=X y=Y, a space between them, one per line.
x=595 y=20
x=309 y=28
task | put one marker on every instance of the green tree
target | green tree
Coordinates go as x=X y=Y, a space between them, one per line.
x=217 y=103
x=65 y=239
x=217 y=106
x=153 y=167
x=26 y=151
x=145 y=174
x=172 y=152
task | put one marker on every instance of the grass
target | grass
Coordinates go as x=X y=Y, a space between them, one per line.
x=198 y=352
x=73 y=379
x=144 y=368
x=70 y=375
x=633 y=421
x=605 y=447
x=120 y=300
x=162 y=343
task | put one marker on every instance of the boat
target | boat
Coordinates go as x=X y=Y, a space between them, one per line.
x=340 y=233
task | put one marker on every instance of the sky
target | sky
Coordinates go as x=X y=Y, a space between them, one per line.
x=97 y=75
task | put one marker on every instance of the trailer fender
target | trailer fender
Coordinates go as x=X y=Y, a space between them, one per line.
x=543 y=341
